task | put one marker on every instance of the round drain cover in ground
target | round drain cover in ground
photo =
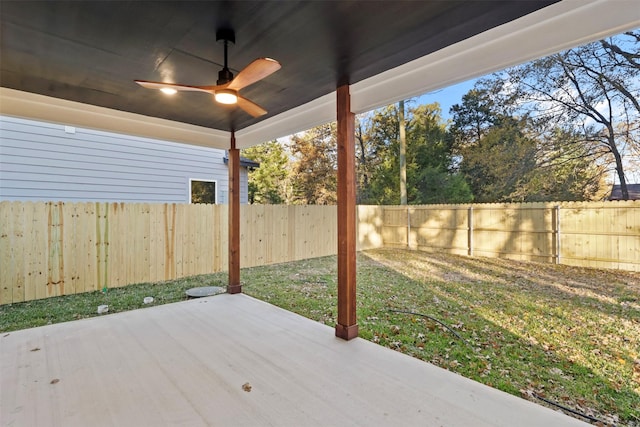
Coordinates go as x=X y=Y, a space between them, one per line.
x=204 y=291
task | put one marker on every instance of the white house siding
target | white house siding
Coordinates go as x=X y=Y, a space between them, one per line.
x=51 y=162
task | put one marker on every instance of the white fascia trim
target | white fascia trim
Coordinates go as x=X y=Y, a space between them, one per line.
x=552 y=29
x=319 y=111
x=39 y=107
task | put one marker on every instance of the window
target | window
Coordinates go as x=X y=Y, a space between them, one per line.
x=202 y=191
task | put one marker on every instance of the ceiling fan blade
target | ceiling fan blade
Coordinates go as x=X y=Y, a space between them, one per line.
x=250 y=107
x=179 y=87
x=257 y=70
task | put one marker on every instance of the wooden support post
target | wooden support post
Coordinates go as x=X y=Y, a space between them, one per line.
x=234 y=286
x=347 y=327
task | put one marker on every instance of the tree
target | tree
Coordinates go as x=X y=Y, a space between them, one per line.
x=368 y=157
x=268 y=182
x=564 y=171
x=512 y=154
x=595 y=89
x=434 y=186
x=495 y=151
x=377 y=155
x=314 y=166
x=473 y=117
x=431 y=177
x=500 y=163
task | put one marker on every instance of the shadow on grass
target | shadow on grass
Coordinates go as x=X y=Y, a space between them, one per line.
x=514 y=359
x=608 y=290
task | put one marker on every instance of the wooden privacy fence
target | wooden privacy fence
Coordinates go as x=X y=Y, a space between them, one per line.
x=589 y=234
x=56 y=248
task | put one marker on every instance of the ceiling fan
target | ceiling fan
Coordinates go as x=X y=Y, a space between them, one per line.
x=226 y=89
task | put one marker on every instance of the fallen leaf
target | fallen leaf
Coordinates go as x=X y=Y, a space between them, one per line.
x=54 y=381
x=527 y=393
x=556 y=371
x=35 y=349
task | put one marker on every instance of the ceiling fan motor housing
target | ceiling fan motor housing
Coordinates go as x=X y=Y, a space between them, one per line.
x=224 y=76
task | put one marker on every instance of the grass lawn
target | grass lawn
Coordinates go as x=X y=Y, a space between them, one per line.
x=562 y=334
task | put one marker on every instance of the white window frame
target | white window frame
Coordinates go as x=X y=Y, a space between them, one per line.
x=215 y=181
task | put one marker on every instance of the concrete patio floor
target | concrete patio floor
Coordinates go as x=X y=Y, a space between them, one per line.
x=186 y=364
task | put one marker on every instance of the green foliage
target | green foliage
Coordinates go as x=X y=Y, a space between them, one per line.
x=304 y=172
x=268 y=183
x=314 y=166
x=429 y=159
x=473 y=117
x=500 y=161
x=564 y=171
x=433 y=186
x=427 y=138
x=430 y=178
x=506 y=158
x=377 y=151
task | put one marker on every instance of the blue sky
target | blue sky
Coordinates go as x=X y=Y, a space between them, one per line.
x=446 y=97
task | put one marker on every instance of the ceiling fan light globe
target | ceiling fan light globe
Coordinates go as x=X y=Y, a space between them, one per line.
x=226 y=97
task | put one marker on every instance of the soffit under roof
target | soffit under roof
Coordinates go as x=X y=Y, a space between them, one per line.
x=91 y=51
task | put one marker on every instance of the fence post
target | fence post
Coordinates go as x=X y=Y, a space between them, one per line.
x=408 y=228
x=557 y=233
x=470 y=231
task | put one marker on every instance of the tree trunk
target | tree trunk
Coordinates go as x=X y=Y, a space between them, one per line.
x=403 y=154
x=363 y=158
x=619 y=169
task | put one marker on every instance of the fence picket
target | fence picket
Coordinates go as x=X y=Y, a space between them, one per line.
x=56 y=248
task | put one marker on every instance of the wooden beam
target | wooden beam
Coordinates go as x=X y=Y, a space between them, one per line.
x=234 y=286
x=347 y=327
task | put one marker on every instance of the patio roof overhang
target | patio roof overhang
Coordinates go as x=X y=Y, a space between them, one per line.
x=61 y=62
x=75 y=62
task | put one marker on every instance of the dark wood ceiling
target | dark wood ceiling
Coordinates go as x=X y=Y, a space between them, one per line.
x=91 y=51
